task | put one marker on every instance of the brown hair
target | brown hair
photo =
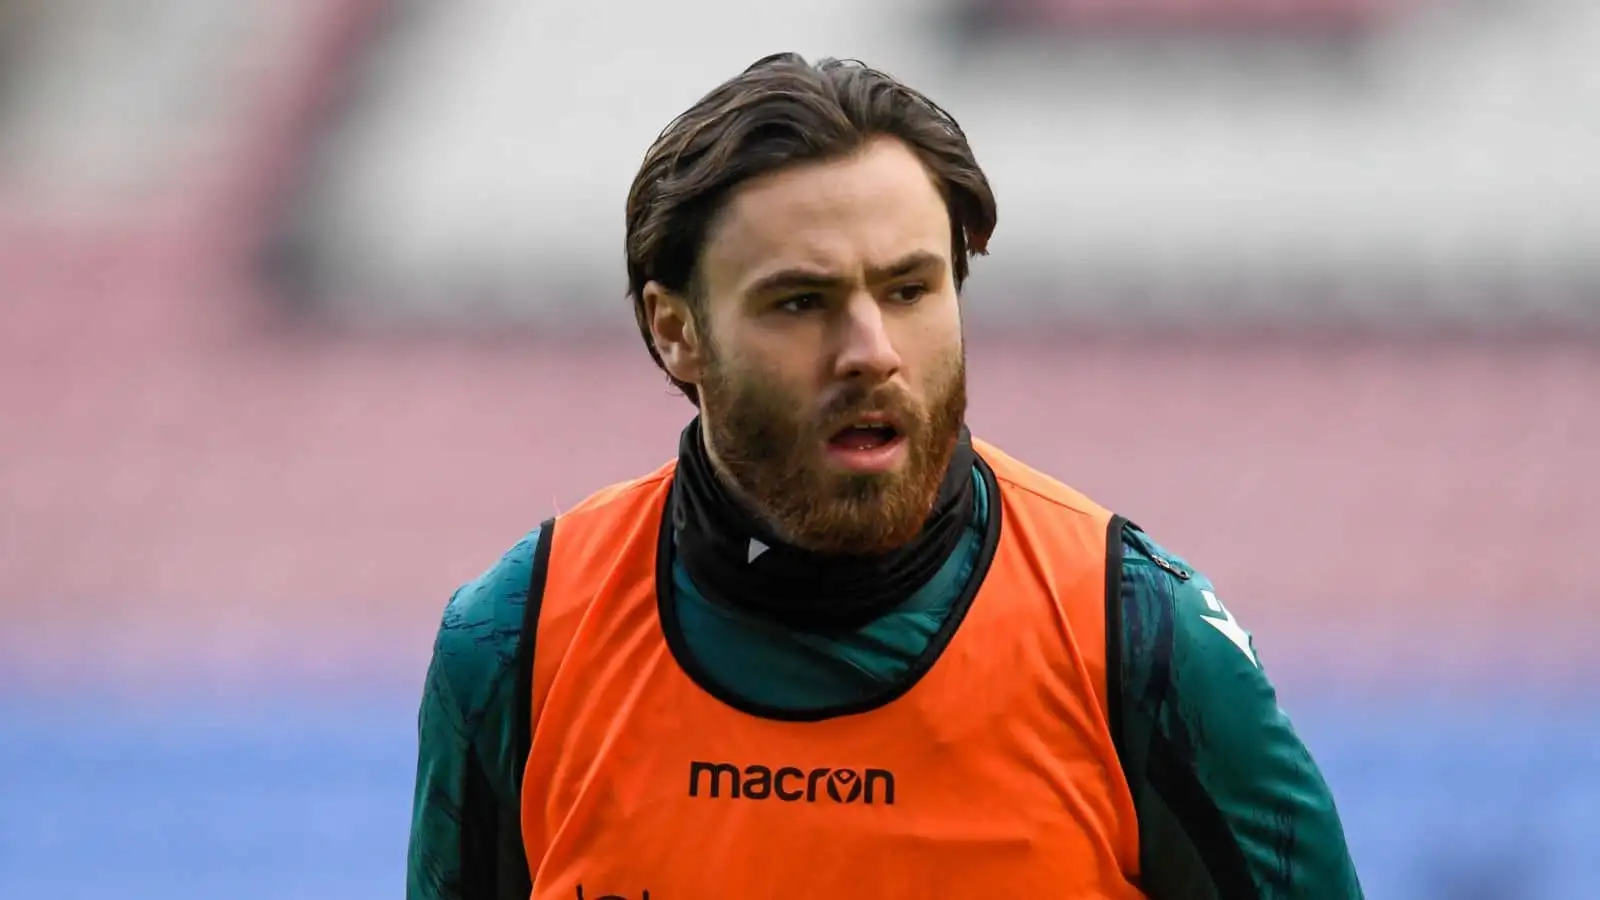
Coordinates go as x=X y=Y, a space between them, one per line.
x=779 y=112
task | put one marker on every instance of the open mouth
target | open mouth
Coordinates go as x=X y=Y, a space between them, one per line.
x=864 y=436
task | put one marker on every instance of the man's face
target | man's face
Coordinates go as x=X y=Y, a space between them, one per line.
x=832 y=377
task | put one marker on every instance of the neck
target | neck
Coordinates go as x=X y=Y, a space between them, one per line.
x=737 y=558
x=762 y=524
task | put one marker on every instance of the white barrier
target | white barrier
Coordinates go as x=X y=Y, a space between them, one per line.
x=1448 y=168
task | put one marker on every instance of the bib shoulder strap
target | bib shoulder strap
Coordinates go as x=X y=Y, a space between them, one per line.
x=590 y=534
x=529 y=638
x=1116 y=645
x=512 y=876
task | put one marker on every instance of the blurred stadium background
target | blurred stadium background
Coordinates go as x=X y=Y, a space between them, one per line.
x=310 y=308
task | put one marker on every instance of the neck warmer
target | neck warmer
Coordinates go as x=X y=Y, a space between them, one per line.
x=734 y=558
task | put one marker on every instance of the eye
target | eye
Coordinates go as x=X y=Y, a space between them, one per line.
x=801 y=303
x=908 y=293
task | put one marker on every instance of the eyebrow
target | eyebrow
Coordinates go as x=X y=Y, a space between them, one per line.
x=810 y=279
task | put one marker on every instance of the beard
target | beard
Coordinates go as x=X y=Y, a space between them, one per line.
x=774 y=455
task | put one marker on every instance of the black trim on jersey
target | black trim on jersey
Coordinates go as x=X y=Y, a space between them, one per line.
x=523 y=695
x=1114 y=635
x=514 y=875
x=1172 y=778
x=667 y=609
x=1169 y=772
x=483 y=871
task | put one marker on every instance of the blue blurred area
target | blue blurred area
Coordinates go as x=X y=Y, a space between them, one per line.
x=266 y=797
x=254 y=797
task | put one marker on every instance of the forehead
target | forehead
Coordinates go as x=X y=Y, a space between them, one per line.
x=866 y=210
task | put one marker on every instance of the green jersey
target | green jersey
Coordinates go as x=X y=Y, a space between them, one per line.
x=1230 y=804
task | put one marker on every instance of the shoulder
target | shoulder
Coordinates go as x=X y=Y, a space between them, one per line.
x=1190 y=676
x=475 y=652
x=622 y=495
x=1227 y=793
x=1020 y=480
x=1171 y=614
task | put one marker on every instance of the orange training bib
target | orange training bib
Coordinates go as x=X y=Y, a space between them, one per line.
x=994 y=775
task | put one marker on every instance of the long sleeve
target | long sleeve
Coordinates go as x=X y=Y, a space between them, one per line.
x=453 y=820
x=466 y=840
x=1231 y=804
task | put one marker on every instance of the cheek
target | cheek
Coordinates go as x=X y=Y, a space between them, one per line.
x=762 y=387
x=787 y=393
x=934 y=349
x=782 y=367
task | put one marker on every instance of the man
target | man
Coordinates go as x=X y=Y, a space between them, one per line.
x=840 y=648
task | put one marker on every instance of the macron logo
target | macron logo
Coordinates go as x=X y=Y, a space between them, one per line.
x=1229 y=626
x=791 y=784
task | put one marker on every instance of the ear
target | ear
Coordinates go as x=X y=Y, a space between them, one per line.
x=672 y=327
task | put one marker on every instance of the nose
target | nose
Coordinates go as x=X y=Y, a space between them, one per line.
x=865 y=347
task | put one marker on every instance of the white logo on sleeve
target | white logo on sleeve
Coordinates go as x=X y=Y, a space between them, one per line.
x=756 y=549
x=1228 y=626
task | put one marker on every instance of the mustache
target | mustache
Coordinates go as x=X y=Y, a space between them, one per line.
x=889 y=400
